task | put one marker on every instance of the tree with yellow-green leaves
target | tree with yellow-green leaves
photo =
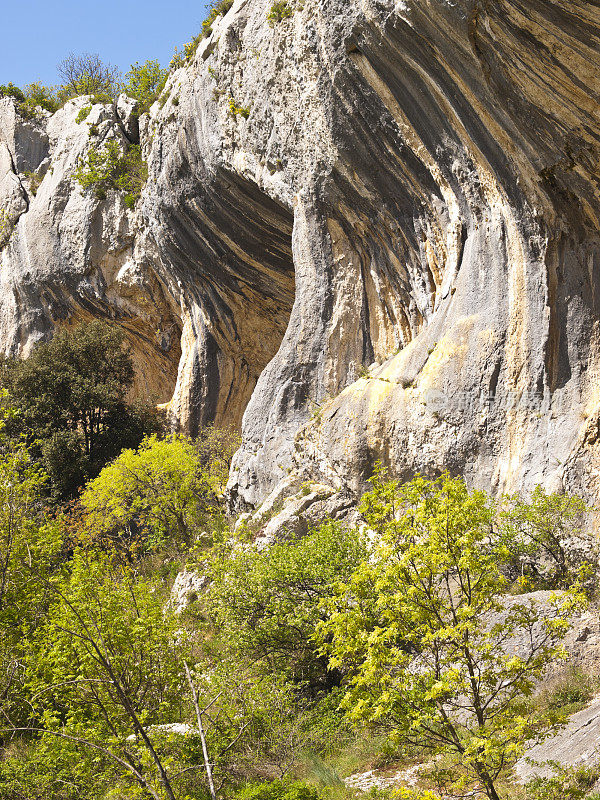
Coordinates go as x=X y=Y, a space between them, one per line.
x=160 y=494
x=431 y=648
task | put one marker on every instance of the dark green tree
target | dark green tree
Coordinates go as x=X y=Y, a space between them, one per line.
x=71 y=399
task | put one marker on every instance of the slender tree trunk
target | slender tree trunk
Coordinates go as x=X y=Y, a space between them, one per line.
x=209 y=776
x=488 y=783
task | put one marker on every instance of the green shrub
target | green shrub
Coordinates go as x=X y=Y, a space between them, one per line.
x=572 y=692
x=70 y=395
x=38 y=95
x=83 y=114
x=145 y=82
x=101 y=98
x=280 y=10
x=10 y=90
x=266 y=603
x=550 y=532
x=217 y=10
x=236 y=110
x=28 y=100
x=111 y=168
x=35 y=179
x=566 y=783
x=162 y=490
x=279 y=790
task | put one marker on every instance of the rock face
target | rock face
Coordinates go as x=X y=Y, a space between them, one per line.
x=394 y=255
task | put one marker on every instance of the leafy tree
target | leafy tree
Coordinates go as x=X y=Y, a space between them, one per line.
x=551 y=526
x=86 y=73
x=160 y=493
x=71 y=400
x=426 y=639
x=145 y=82
x=27 y=538
x=105 y=670
x=265 y=604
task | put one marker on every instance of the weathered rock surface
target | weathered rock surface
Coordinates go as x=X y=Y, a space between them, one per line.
x=577 y=745
x=395 y=256
x=186 y=589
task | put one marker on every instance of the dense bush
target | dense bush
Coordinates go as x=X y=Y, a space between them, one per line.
x=279 y=790
x=565 y=783
x=549 y=539
x=113 y=167
x=32 y=97
x=145 y=82
x=266 y=604
x=155 y=496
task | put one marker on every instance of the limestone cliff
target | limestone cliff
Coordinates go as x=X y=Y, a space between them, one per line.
x=395 y=255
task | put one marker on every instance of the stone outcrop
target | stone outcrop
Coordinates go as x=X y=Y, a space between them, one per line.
x=371 y=229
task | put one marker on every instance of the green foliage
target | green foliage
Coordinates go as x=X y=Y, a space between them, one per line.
x=265 y=603
x=28 y=100
x=83 y=114
x=279 y=11
x=38 y=95
x=30 y=553
x=104 y=668
x=566 y=783
x=421 y=629
x=236 y=110
x=160 y=493
x=110 y=168
x=145 y=82
x=10 y=90
x=35 y=179
x=217 y=9
x=6 y=228
x=572 y=692
x=71 y=398
x=550 y=526
x=278 y=790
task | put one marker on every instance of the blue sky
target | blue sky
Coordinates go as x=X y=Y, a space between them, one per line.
x=37 y=35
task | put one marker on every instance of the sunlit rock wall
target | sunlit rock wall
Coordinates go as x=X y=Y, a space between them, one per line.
x=393 y=257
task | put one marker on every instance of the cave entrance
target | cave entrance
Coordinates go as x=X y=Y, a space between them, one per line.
x=230 y=245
